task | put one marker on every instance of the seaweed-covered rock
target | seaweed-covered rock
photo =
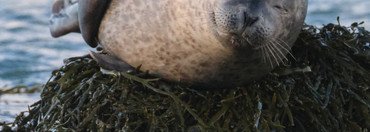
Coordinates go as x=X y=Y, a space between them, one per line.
x=325 y=87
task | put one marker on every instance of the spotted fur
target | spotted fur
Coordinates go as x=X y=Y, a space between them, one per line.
x=213 y=42
x=202 y=41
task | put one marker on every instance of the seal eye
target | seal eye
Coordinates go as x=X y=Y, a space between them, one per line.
x=280 y=8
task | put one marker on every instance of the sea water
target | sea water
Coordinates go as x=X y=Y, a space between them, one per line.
x=28 y=53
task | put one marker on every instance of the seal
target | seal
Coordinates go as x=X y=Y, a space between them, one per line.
x=64 y=20
x=211 y=42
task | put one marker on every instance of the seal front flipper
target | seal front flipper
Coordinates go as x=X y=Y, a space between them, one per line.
x=90 y=14
x=111 y=63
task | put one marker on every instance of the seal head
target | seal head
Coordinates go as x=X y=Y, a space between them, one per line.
x=261 y=25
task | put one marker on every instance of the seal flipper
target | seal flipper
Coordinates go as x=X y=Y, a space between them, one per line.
x=64 y=18
x=111 y=63
x=90 y=14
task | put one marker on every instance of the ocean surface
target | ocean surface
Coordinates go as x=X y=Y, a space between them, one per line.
x=28 y=53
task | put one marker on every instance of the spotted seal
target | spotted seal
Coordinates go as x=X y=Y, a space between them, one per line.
x=218 y=42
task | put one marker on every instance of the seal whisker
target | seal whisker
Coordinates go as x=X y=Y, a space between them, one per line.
x=272 y=54
x=282 y=44
x=279 y=50
x=263 y=54
x=290 y=53
x=277 y=55
x=268 y=57
x=265 y=57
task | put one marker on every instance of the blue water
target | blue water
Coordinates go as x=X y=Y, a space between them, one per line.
x=326 y=11
x=28 y=54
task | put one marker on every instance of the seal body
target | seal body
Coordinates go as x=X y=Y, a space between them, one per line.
x=218 y=42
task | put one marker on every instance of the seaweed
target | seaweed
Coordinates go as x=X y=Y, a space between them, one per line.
x=325 y=88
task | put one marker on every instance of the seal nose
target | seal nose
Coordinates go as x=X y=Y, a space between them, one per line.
x=250 y=21
x=245 y=21
x=233 y=18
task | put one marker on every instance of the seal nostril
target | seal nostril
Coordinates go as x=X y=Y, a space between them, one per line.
x=249 y=21
x=253 y=21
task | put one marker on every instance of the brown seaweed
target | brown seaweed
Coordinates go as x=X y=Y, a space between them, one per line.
x=325 y=88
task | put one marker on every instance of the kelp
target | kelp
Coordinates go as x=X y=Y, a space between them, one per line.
x=325 y=87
